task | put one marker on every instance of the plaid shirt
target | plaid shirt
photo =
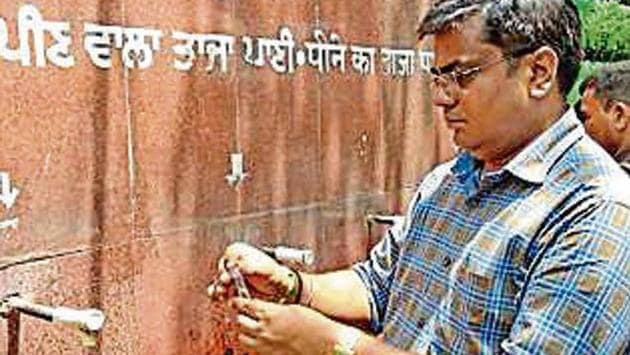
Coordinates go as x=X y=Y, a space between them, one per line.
x=532 y=258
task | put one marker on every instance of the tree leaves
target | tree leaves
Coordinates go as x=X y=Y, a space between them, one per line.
x=606 y=26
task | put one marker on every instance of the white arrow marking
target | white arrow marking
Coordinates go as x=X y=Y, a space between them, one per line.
x=8 y=194
x=238 y=172
x=9 y=223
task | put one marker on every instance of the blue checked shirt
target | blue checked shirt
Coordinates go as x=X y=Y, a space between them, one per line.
x=534 y=258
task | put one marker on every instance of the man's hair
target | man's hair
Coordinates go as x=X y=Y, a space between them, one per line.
x=612 y=81
x=514 y=25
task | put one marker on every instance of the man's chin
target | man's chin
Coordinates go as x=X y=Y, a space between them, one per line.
x=459 y=138
x=463 y=142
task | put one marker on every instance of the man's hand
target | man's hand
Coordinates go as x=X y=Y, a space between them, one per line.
x=266 y=278
x=269 y=328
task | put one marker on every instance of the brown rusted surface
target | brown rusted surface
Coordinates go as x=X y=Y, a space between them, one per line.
x=124 y=205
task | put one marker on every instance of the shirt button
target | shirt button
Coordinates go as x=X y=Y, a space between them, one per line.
x=473 y=202
x=446 y=262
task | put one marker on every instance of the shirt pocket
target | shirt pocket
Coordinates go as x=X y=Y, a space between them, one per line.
x=487 y=283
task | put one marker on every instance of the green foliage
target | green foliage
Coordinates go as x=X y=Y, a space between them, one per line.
x=606 y=30
x=606 y=36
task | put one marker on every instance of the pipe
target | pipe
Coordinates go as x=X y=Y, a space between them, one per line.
x=90 y=319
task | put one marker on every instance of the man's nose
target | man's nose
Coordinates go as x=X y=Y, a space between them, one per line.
x=442 y=96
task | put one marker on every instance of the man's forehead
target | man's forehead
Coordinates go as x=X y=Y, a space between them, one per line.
x=461 y=43
x=590 y=93
x=589 y=90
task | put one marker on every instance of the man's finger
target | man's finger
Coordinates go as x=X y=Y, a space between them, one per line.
x=212 y=290
x=247 y=325
x=224 y=278
x=221 y=264
x=217 y=291
x=236 y=251
x=247 y=341
x=253 y=308
x=221 y=290
x=245 y=307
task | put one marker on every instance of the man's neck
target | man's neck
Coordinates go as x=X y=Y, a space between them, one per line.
x=491 y=166
x=548 y=115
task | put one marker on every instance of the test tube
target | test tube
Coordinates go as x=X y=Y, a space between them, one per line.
x=239 y=281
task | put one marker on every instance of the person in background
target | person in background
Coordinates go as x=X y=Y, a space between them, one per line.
x=519 y=245
x=605 y=107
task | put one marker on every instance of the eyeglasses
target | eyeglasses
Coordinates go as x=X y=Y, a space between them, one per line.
x=451 y=81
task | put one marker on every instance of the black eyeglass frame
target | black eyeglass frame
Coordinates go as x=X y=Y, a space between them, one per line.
x=463 y=77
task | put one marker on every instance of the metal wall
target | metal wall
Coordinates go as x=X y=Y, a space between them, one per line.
x=123 y=203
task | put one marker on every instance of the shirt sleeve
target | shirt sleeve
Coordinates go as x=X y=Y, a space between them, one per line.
x=576 y=298
x=378 y=271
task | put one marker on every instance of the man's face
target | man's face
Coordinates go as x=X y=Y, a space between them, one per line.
x=483 y=110
x=597 y=122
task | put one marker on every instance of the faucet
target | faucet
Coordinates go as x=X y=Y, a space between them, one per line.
x=89 y=321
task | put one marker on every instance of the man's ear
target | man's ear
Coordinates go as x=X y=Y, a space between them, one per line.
x=543 y=67
x=620 y=114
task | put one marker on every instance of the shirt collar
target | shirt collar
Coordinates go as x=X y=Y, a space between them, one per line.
x=624 y=160
x=623 y=157
x=533 y=162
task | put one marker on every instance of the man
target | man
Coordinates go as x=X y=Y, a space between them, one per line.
x=606 y=110
x=519 y=245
